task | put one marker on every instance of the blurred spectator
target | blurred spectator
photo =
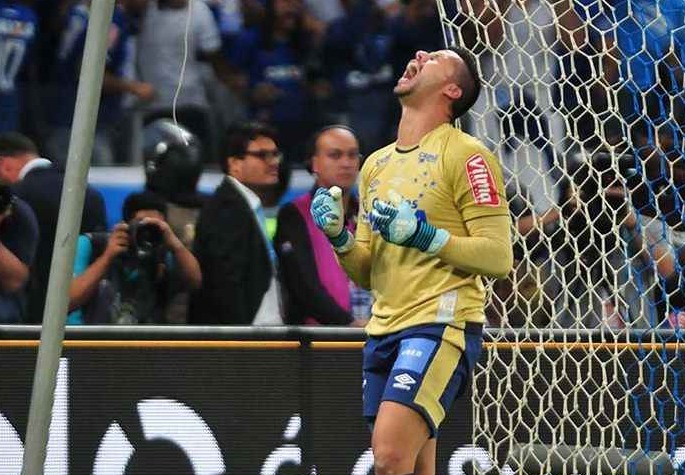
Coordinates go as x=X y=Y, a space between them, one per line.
x=237 y=259
x=161 y=52
x=232 y=16
x=130 y=275
x=114 y=85
x=39 y=182
x=272 y=195
x=18 y=242
x=275 y=56
x=583 y=74
x=526 y=296
x=325 y=12
x=657 y=247
x=417 y=27
x=650 y=44
x=173 y=164
x=524 y=66
x=357 y=59
x=18 y=32
x=319 y=291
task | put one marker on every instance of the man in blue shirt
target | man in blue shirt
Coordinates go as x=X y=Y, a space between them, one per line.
x=114 y=86
x=650 y=43
x=18 y=29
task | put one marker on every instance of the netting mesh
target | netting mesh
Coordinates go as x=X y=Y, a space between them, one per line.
x=584 y=102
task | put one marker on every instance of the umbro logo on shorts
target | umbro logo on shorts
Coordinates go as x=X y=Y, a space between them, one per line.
x=403 y=381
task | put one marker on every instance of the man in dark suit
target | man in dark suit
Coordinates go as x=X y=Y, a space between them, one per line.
x=39 y=183
x=238 y=263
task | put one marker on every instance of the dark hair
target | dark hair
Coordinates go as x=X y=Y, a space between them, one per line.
x=297 y=40
x=144 y=200
x=314 y=139
x=470 y=83
x=14 y=143
x=239 y=137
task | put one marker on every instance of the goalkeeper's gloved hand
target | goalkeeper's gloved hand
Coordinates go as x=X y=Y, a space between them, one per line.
x=329 y=216
x=401 y=225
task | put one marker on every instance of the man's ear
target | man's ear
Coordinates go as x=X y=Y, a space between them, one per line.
x=453 y=91
x=234 y=165
x=314 y=165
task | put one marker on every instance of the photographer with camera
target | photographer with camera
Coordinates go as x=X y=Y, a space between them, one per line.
x=18 y=243
x=130 y=275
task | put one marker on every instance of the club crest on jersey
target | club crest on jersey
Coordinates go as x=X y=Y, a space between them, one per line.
x=382 y=161
x=427 y=157
x=481 y=181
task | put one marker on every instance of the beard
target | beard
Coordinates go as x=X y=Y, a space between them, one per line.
x=401 y=92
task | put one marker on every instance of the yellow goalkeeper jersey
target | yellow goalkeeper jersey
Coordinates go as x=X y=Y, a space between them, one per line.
x=453 y=178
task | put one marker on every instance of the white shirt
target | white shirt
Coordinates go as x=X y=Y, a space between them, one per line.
x=161 y=52
x=32 y=165
x=269 y=312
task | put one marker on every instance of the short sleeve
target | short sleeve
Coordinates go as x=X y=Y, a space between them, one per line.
x=205 y=30
x=84 y=251
x=479 y=189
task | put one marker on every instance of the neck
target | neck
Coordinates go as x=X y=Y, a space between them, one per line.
x=417 y=122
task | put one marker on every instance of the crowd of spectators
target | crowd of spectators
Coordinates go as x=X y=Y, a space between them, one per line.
x=609 y=235
x=293 y=64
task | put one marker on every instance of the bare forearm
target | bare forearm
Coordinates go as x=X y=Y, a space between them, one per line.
x=190 y=268
x=357 y=264
x=84 y=286
x=13 y=272
x=113 y=84
x=487 y=251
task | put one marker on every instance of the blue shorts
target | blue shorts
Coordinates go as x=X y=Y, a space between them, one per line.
x=425 y=367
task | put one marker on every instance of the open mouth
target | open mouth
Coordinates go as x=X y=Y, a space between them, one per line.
x=411 y=72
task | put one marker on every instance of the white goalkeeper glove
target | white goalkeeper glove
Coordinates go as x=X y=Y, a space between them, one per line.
x=329 y=216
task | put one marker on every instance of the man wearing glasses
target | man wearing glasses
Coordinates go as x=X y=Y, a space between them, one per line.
x=237 y=259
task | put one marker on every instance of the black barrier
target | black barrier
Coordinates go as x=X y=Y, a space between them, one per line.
x=164 y=409
x=209 y=400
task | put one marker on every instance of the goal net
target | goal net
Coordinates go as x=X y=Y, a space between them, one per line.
x=583 y=101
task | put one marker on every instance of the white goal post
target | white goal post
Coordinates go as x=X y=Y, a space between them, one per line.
x=584 y=102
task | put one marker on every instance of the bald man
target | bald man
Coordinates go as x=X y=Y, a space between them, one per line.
x=433 y=220
x=319 y=291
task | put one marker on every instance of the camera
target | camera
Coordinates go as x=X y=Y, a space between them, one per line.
x=650 y=190
x=146 y=241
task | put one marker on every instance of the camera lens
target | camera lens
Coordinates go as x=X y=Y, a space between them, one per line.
x=147 y=239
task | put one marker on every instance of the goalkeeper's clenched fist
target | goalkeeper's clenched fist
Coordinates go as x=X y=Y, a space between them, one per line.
x=329 y=216
x=401 y=225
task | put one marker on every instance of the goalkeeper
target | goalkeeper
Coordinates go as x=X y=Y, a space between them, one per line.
x=433 y=220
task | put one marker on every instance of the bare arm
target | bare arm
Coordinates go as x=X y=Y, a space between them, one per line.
x=190 y=268
x=13 y=272
x=113 y=84
x=531 y=222
x=187 y=263
x=84 y=286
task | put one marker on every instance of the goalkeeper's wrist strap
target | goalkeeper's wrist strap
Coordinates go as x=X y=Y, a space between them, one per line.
x=428 y=238
x=439 y=241
x=343 y=242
